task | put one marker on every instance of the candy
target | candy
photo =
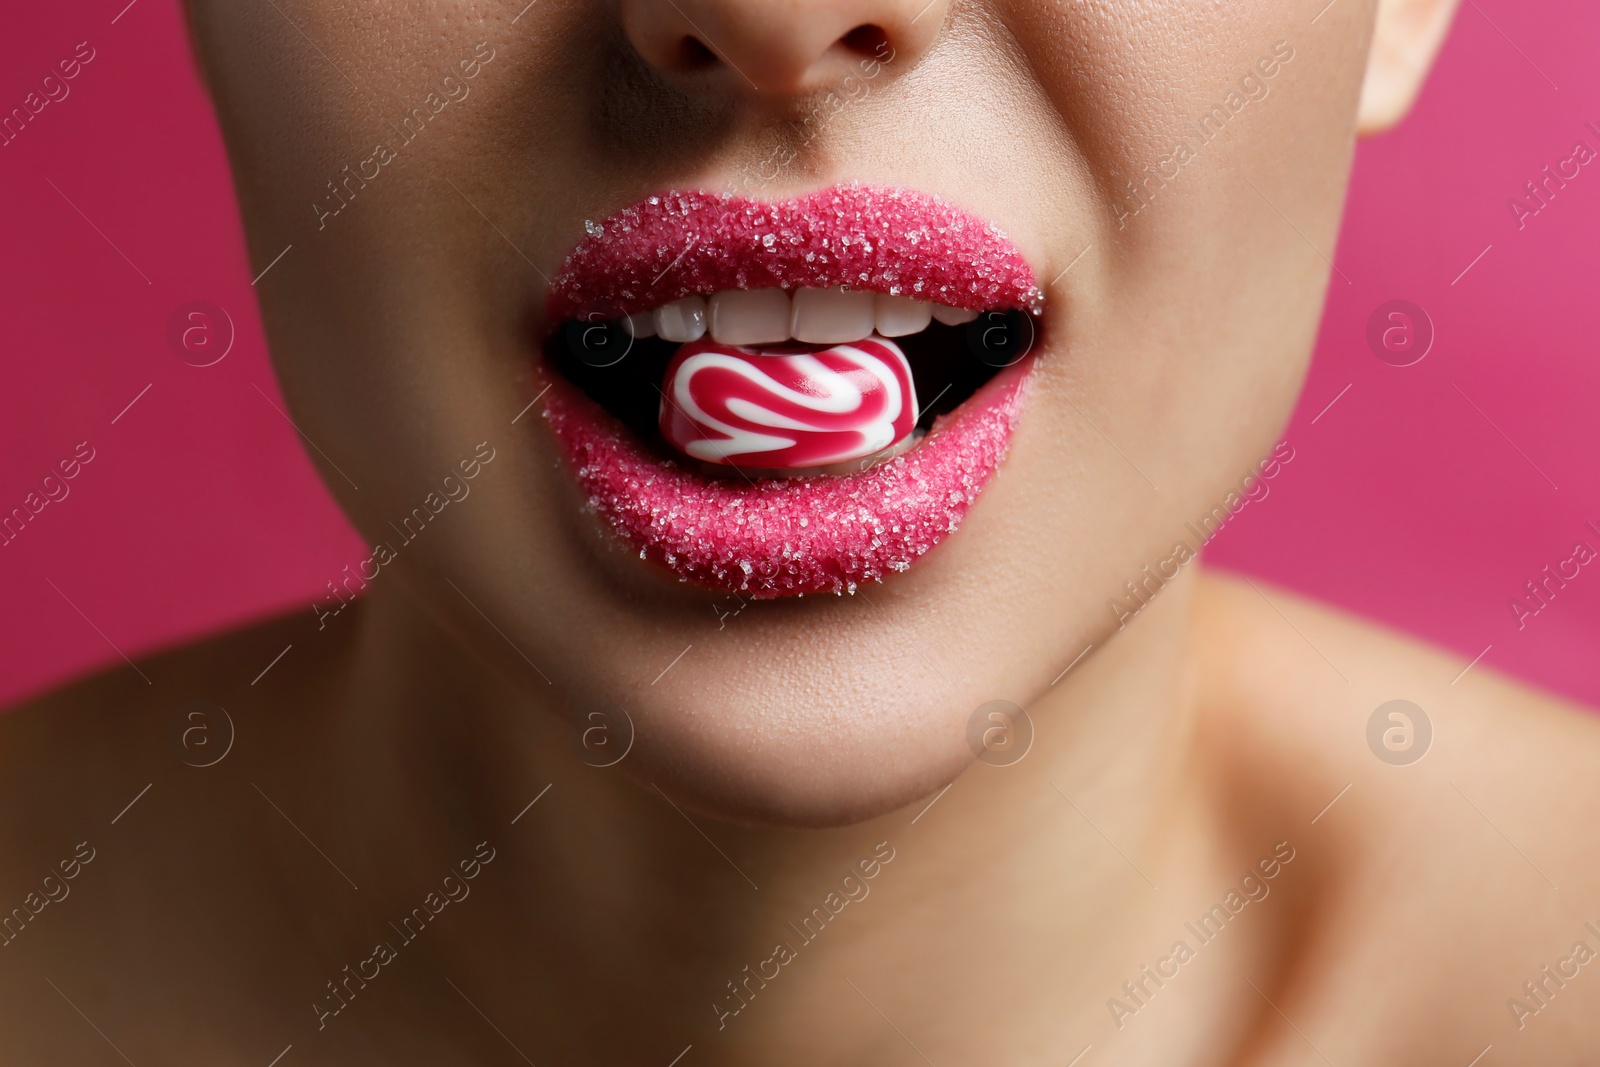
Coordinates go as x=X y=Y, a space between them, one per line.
x=790 y=406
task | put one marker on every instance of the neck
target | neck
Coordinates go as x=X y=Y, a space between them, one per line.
x=715 y=931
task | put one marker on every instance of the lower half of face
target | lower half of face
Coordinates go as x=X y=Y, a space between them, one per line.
x=799 y=416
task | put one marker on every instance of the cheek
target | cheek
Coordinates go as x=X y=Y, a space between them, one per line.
x=1188 y=329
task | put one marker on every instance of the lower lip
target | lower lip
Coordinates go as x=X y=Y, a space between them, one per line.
x=781 y=537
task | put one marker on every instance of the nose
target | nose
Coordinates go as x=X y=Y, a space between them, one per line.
x=779 y=47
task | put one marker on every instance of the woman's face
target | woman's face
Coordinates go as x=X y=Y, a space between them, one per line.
x=1168 y=175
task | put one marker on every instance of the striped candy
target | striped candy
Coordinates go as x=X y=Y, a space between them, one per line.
x=786 y=407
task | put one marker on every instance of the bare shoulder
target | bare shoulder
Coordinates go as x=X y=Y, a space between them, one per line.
x=69 y=753
x=1307 y=673
x=109 y=707
x=131 y=838
x=1447 y=816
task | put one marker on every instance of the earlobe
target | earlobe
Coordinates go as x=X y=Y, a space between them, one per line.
x=1405 y=41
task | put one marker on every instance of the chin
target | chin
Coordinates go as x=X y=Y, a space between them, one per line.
x=765 y=749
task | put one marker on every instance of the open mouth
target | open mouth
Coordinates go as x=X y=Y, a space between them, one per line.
x=780 y=399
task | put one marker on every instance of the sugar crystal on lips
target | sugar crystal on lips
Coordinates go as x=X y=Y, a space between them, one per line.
x=786 y=536
x=789 y=406
x=896 y=241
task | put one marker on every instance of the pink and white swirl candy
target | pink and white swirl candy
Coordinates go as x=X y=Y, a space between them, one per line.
x=787 y=407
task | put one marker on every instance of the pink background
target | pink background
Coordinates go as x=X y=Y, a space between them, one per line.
x=1403 y=503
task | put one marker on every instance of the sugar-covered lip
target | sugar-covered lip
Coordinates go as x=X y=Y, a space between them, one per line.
x=777 y=537
x=886 y=240
x=783 y=537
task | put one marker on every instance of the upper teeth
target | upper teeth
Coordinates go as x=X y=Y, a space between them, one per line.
x=771 y=316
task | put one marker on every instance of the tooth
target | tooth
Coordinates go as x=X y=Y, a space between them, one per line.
x=897 y=316
x=642 y=324
x=750 y=316
x=831 y=316
x=682 y=320
x=953 y=316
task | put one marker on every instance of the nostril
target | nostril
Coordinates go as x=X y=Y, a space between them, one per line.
x=694 y=55
x=866 y=39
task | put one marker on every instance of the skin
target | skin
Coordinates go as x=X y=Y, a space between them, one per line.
x=1206 y=735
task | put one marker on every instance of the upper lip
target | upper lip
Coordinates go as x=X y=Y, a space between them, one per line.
x=678 y=244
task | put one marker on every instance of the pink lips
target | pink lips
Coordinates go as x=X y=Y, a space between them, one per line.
x=774 y=537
